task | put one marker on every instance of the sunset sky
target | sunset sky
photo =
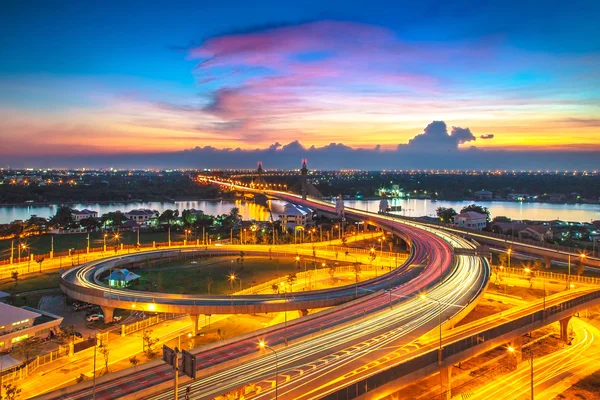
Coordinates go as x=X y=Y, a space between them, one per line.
x=127 y=77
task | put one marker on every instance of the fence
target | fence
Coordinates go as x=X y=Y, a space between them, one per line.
x=22 y=371
x=547 y=275
x=506 y=238
x=145 y=323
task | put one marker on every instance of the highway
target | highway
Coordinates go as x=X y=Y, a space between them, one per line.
x=553 y=373
x=343 y=333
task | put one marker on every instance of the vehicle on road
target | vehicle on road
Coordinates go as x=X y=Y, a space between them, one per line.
x=95 y=317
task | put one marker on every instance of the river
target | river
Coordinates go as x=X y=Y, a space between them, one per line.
x=411 y=208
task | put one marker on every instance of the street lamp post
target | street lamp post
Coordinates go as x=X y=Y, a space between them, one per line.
x=104 y=241
x=263 y=345
x=509 y=251
x=512 y=351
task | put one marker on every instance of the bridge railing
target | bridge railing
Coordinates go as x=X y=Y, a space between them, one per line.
x=431 y=357
x=547 y=275
x=494 y=235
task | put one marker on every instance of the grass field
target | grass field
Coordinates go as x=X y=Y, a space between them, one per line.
x=78 y=241
x=188 y=278
x=31 y=282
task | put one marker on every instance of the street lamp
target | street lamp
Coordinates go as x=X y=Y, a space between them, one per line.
x=509 y=252
x=263 y=345
x=513 y=351
x=104 y=241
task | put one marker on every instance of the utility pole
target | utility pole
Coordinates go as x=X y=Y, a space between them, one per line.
x=176 y=373
x=94 y=382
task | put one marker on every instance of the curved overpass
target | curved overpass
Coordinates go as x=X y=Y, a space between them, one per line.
x=82 y=283
x=327 y=341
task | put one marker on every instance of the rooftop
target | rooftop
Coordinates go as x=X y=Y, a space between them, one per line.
x=10 y=314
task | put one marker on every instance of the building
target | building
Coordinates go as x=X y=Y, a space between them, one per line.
x=83 y=214
x=141 y=216
x=122 y=278
x=18 y=324
x=471 y=219
x=483 y=195
x=295 y=215
x=536 y=232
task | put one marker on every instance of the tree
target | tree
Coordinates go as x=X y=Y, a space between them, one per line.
x=477 y=209
x=66 y=333
x=445 y=214
x=275 y=288
x=62 y=219
x=291 y=278
x=134 y=361
x=27 y=347
x=103 y=349
x=168 y=216
x=40 y=261
x=14 y=275
x=114 y=219
x=501 y=218
x=11 y=392
x=35 y=225
x=90 y=224
x=148 y=344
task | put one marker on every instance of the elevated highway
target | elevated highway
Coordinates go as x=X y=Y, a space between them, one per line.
x=391 y=314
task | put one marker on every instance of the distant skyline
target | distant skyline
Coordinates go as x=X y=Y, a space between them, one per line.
x=352 y=84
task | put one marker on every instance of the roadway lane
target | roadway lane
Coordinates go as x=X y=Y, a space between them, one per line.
x=344 y=328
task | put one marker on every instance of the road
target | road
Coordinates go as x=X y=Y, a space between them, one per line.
x=553 y=373
x=341 y=334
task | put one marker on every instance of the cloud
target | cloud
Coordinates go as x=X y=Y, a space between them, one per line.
x=435 y=138
x=487 y=136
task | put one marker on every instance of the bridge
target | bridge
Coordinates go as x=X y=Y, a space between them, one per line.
x=460 y=344
x=391 y=313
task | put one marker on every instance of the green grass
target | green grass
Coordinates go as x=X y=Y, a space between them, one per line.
x=78 y=241
x=31 y=282
x=174 y=279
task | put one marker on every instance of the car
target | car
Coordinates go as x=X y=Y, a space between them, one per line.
x=78 y=334
x=117 y=319
x=95 y=317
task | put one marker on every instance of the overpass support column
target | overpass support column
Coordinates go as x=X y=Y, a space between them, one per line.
x=108 y=313
x=446 y=382
x=194 y=318
x=547 y=262
x=302 y=313
x=564 y=329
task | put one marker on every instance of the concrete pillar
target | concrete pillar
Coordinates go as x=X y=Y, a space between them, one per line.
x=121 y=246
x=547 y=261
x=108 y=314
x=303 y=313
x=51 y=254
x=71 y=349
x=185 y=242
x=564 y=329
x=446 y=382
x=194 y=318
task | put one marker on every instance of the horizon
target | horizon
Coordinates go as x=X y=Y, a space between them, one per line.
x=414 y=85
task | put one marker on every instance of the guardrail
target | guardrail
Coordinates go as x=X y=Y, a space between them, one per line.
x=127 y=329
x=547 y=275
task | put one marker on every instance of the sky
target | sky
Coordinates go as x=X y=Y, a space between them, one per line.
x=352 y=84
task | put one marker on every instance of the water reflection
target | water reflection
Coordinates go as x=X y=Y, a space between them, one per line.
x=248 y=210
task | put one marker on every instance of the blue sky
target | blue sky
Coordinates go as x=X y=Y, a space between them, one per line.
x=245 y=74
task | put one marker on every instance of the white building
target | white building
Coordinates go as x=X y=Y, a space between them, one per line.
x=83 y=214
x=295 y=215
x=471 y=219
x=141 y=216
x=18 y=324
